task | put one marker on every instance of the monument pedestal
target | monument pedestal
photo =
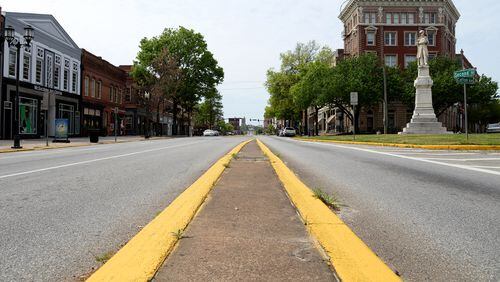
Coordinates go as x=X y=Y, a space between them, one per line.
x=424 y=120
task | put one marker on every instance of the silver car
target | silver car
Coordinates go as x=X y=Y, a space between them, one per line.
x=493 y=128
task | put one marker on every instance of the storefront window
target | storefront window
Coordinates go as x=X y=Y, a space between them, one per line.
x=68 y=112
x=28 y=109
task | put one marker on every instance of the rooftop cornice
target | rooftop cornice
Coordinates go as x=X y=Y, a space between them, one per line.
x=353 y=4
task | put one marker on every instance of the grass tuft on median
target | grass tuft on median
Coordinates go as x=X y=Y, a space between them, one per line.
x=330 y=200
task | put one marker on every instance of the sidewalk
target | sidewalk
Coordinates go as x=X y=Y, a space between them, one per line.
x=32 y=144
x=247 y=230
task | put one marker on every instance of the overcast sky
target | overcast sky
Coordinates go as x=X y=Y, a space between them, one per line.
x=246 y=36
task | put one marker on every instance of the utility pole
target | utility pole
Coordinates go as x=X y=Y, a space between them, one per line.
x=116 y=123
x=466 y=125
x=386 y=110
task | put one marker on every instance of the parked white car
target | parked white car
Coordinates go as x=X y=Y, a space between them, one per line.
x=289 y=132
x=493 y=128
x=210 y=132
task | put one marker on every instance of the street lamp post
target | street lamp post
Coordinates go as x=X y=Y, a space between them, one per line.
x=12 y=41
x=147 y=97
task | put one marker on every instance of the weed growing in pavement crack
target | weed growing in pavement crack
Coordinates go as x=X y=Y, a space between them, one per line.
x=330 y=200
x=227 y=165
x=235 y=156
x=179 y=234
x=104 y=257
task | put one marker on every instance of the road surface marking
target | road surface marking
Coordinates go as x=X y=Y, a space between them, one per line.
x=95 y=160
x=464 y=160
x=141 y=257
x=406 y=157
x=351 y=258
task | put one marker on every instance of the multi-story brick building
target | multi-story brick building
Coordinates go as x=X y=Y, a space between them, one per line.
x=103 y=85
x=389 y=28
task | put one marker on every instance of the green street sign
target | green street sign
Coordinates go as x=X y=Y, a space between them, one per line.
x=465 y=80
x=468 y=73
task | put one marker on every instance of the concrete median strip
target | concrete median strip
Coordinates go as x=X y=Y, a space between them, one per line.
x=351 y=258
x=411 y=146
x=141 y=257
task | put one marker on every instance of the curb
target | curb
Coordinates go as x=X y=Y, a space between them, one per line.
x=413 y=146
x=351 y=258
x=144 y=254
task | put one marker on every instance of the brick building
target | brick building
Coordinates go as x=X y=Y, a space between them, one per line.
x=103 y=85
x=389 y=29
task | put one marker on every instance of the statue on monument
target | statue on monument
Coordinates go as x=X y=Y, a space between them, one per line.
x=422 y=50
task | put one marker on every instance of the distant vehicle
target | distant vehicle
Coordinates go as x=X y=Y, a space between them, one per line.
x=210 y=132
x=289 y=132
x=493 y=128
x=230 y=133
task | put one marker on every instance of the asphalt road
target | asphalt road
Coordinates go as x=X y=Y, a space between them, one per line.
x=431 y=215
x=60 y=209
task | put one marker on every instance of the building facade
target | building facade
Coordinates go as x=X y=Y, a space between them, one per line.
x=49 y=74
x=389 y=28
x=103 y=88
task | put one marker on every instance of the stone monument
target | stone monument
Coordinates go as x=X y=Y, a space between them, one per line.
x=424 y=120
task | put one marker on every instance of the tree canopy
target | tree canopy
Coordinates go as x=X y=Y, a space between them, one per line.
x=177 y=65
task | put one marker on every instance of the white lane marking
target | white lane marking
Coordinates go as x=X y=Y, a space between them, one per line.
x=431 y=154
x=95 y=160
x=406 y=157
x=464 y=160
x=101 y=146
x=485 y=166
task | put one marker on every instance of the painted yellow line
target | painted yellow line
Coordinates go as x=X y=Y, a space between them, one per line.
x=349 y=255
x=412 y=146
x=141 y=257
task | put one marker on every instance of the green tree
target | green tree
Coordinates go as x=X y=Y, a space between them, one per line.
x=294 y=64
x=361 y=74
x=200 y=72
x=209 y=112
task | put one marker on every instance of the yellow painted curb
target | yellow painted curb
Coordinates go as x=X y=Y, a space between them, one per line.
x=413 y=146
x=349 y=255
x=141 y=257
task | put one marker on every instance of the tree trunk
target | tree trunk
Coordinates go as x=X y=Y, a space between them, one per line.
x=158 y=132
x=174 y=117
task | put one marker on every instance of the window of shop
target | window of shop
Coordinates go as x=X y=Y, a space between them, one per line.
x=26 y=64
x=39 y=66
x=128 y=123
x=391 y=60
x=390 y=38
x=68 y=112
x=128 y=94
x=12 y=62
x=66 y=75
x=49 y=71
x=370 y=38
x=410 y=38
x=92 y=89
x=28 y=109
x=431 y=35
x=86 y=84
x=57 y=72
x=74 y=78
x=99 y=89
